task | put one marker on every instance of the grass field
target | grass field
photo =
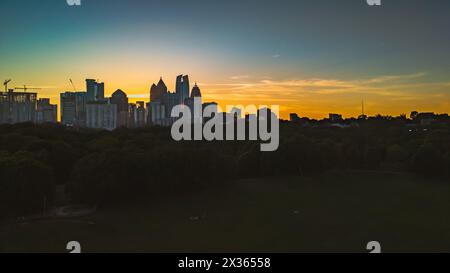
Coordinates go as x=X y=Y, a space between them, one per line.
x=336 y=212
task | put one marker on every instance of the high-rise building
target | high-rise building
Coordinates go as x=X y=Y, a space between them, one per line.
x=156 y=113
x=46 y=112
x=141 y=116
x=132 y=115
x=162 y=101
x=120 y=99
x=182 y=88
x=101 y=115
x=16 y=107
x=170 y=101
x=179 y=85
x=73 y=108
x=100 y=91
x=196 y=91
x=157 y=92
x=95 y=90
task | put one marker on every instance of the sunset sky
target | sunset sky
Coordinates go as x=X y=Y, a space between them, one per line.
x=311 y=57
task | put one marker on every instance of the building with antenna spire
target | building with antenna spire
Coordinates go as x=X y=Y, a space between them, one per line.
x=196 y=91
x=162 y=101
x=363 y=115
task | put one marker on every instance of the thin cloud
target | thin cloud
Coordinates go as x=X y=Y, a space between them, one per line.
x=399 y=87
x=391 y=78
x=138 y=96
x=239 y=77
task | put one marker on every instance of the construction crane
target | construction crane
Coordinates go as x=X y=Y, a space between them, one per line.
x=6 y=84
x=25 y=88
x=73 y=85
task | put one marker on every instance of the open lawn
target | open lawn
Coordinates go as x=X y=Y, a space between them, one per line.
x=335 y=212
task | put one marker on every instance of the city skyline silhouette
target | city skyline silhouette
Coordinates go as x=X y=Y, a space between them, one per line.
x=311 y=57
x=210 y=134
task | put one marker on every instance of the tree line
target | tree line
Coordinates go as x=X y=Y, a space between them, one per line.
x=102 y=167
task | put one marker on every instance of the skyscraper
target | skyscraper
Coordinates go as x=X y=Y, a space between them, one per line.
x=91 y=87
x=101 y=115
x=46 y=112
x=156 y=113
x=186 y=88
x=132 y=115
x=16 y=107
x=101 y=91
x=73 y=108
x=179 y=84
x=195 y=94
x=163 y=101
x=182 y=88
x=157 y=92
x=196 y=91
x=140 y=114
x=120 y=99
x=95 y=90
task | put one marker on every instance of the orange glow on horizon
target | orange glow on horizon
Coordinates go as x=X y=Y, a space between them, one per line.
x=313 y=98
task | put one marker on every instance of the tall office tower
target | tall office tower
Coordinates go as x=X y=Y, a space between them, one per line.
x=157 y=92
x=120 y=99
x=196 y=91
x=91 y=88
x=101 y=115
x=186 y=88
x=100 y=91
x=73 y=108
x=46 y=112
x=182 y=88
x=95 y=90
x=179 y=84
x=141 y=119
x=170 y=100
x=156 y=114
x=162 y=101
x=17 y=107
x=132 y=115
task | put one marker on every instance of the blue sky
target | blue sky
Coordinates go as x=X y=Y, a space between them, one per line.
x=238 y=49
